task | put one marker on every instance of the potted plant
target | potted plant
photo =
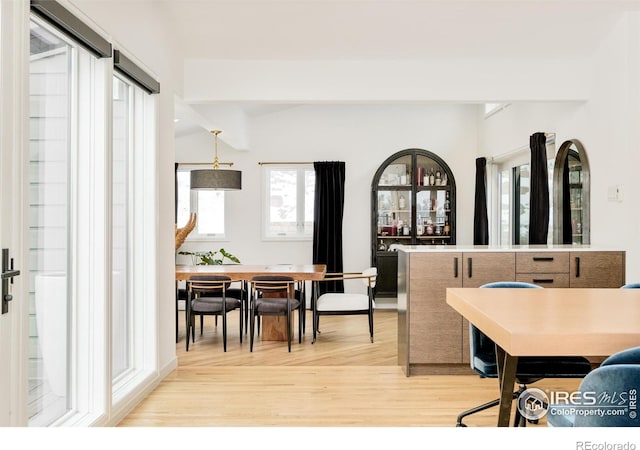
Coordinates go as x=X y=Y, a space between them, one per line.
x=210 y=257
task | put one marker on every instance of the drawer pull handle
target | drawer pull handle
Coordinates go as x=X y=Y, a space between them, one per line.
x=455 y=267
x=543 y=280
x=470 y=267
x=577 y=267
x=543 y=258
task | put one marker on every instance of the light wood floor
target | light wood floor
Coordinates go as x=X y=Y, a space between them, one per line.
x=342 y=380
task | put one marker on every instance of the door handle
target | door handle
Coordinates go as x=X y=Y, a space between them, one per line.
x=470 y=267
x=8 y=272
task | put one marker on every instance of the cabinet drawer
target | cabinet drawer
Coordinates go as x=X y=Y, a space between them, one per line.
x=543 y=262
x=548 y=280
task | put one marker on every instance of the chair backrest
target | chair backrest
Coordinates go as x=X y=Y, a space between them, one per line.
x=208 y=284
x=274 y=285
x=480 y=344
x=372 y=274
x=613 y=387
x=628 y=356
x=631 y=286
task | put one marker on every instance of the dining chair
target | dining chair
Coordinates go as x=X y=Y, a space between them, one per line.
x=274 y=295
x=614 y=385
x=207 y=296
x=530 y=368
x=631 y=286
x=346 y=303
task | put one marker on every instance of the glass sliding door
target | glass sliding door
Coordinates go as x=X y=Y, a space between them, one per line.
x=121 y=308
x=50 y=161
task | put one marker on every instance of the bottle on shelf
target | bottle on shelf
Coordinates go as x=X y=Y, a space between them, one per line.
x=420 y=176
x=447 y=228
x=429 y=228
x=447 y=203
x=394 y=225
x=438 y=178
x=402 y=203
x=432 y=178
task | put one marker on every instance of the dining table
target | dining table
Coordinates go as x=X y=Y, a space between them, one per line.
x=548 y=322
x=272 y=326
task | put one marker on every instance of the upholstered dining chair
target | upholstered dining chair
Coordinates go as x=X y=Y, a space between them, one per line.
x=346 y=303
x=631 y=286
x=207 y=296
x=617 y=379
x=530 y=369
x=274 y=295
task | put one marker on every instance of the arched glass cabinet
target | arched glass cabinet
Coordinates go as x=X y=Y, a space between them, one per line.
x=413 y=203
x=571 y=192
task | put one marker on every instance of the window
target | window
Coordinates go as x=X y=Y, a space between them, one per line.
x=208 y=205
x=132 y=329
x=288 y=201
x=513 y=192
x=493 y=108
x=120 y=216
x=51 y=187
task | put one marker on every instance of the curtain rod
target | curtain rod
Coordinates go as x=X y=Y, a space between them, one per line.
x=266 y=163
x=204 y=164
x=551 y=139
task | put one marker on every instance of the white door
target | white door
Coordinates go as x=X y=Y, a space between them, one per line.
x=13 y=119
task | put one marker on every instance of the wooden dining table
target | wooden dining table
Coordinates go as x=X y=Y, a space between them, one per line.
x=272 y=326
x=548 y=322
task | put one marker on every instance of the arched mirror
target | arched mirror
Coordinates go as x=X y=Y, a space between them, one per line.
x=571 y=204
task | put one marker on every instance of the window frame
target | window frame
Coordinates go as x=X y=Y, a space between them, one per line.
x=300 y=234
x=194 y=206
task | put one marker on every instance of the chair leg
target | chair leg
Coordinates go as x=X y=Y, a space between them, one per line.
x=251 y=326
x=289 y=329
x=468 y=412
x=482 y=407
x=202 y=323
x=188 y=329
x=371 y=325
x=240 y=315
x=224 y=330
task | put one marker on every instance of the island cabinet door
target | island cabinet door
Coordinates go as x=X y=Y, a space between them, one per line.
x=596 y=269
x=481 y=268
x=435 y=329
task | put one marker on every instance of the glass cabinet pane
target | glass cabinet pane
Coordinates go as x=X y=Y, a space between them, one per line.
x=433 y=215
x=395 y=221
x=398 y=173
x=430 y=173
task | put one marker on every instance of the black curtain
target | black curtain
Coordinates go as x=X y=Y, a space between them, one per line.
x=567 y=236
x=327 y=220
x=480 y=220
x=539 y=193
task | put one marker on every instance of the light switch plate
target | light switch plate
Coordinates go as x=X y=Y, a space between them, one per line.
x=614 y=193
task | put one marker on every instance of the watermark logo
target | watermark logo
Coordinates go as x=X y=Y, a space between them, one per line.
x=534 y=403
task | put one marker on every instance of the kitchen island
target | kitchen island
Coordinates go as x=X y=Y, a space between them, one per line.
x=433 y=338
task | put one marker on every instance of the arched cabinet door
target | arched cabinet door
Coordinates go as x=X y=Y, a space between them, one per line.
x=571 y=190
x=413 y=203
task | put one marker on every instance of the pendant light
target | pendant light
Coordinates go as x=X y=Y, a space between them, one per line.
x=216 y=178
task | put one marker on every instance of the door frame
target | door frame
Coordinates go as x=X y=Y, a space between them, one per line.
x=14 y=119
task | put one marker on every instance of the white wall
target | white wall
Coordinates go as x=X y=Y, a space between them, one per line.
x=364 y=135
x=361 y=135
x=607 y=125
